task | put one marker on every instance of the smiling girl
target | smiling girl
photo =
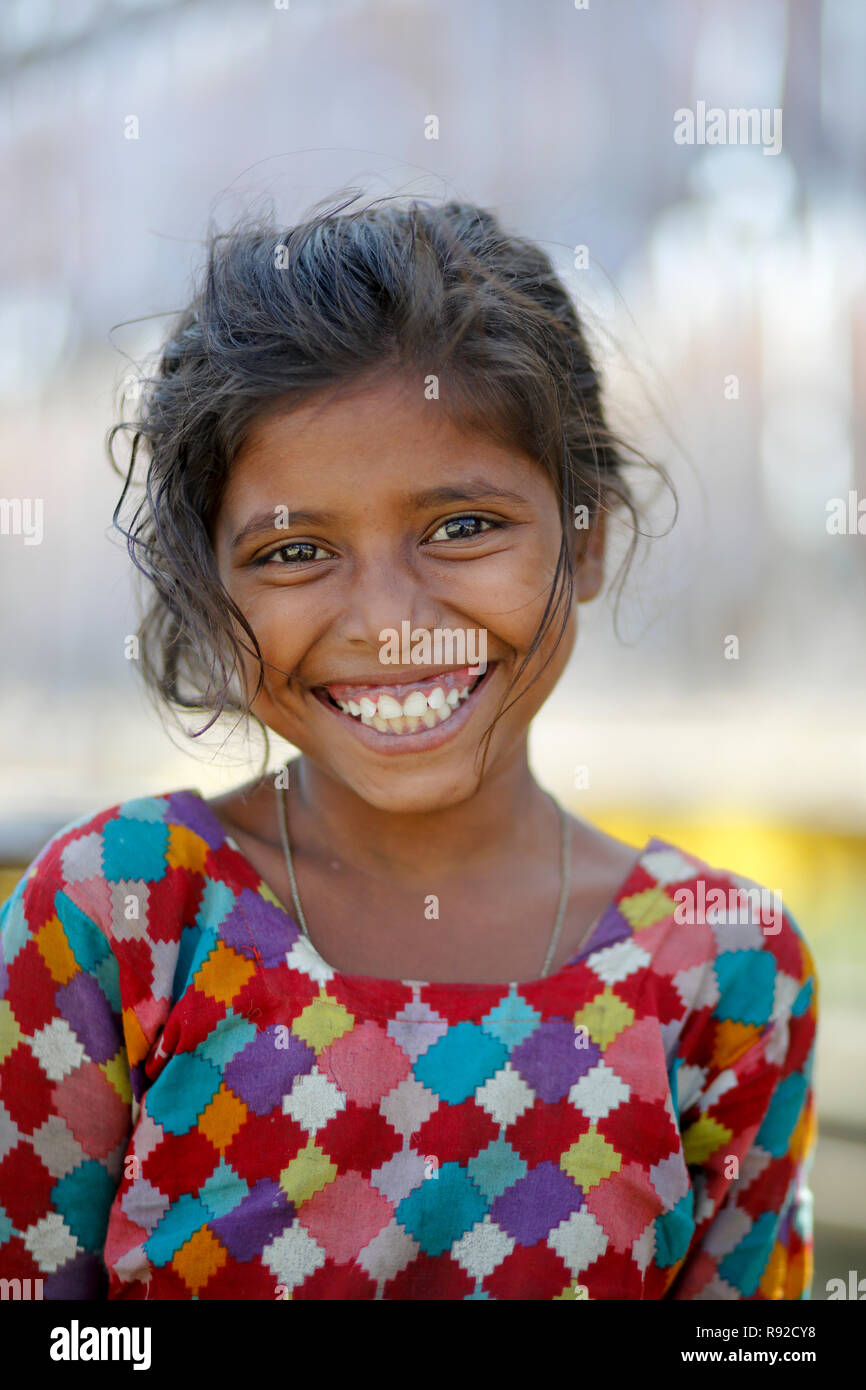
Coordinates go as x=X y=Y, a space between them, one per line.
x=390 y=1023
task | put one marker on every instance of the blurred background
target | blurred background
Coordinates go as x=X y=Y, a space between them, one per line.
x=720 y=703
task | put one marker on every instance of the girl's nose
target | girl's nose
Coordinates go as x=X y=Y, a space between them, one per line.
x=382 y=595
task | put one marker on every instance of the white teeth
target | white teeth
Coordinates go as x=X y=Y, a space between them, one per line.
x=417 y=710
x=416 y=703
x=389 y=708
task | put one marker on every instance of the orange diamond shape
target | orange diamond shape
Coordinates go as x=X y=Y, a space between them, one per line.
x=223 y=1118
x=223 y=974
x=199 y=1259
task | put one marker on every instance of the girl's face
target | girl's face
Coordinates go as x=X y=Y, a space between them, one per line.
x=373 y=512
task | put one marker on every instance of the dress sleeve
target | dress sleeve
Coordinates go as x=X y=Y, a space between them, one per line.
x=749 y=1132
x=65 y=1095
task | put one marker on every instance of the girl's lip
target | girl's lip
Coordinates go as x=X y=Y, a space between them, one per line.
x=424 y=739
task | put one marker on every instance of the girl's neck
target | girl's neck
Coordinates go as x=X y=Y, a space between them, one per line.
x=508 y=814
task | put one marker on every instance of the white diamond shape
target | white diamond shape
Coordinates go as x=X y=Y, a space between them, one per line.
x=293 y=1256
x=82 y=858
x=145 y=1204
x=417 y=1027
x=617 y=962
x=667 y=866
x=734 y=935
x=644 y=1246
x=723 y=1082
x=408 y=1106
x=400 y=1175
x=697 y=987
x=57 y=1146
x=690 y=1081
x=314 y=1100
x=578 y=1240
x=9 y=1134
x=50 y=1242
x=304 y=957
x=133 y=928
x=599 y=1092
x=482 y=1248
x=388 y=1253
x=164 y=955
x=505 y=1096
x=726 y=1232
x=58 y=1050
x=786 y=991
x=670 y=1178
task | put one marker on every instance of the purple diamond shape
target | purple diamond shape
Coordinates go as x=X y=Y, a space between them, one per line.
x=254 y=924
x=190 y=809
x=262 y=1073
x=260 y=1217
x=549 y=1060
x=536 y=1204
x=88 y=1013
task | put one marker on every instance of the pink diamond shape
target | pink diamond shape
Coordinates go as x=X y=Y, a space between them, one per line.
x=366 y=1064
x=624 y=1204
x=345 y=1215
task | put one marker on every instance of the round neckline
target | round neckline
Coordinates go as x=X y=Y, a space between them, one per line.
x=464 y=985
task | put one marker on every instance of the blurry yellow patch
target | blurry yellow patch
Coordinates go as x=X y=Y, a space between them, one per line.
x=703 y=1138
x=590 y=1160
x=605 y=1017
x=308 y=1172
x=10 y=1033
x=321 y=1022
x=117 y=1072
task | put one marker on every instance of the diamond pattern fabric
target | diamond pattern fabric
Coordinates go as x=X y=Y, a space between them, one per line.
x=195 y=1105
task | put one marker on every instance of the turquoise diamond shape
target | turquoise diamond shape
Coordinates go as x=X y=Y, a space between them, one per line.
x=512 y=1021
x=496 y=1168
x=461 y=1061
x=441 y=1210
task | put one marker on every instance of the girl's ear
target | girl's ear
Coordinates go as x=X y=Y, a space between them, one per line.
x=589 y=559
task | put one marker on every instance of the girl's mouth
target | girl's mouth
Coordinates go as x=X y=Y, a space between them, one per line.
x=412 y=708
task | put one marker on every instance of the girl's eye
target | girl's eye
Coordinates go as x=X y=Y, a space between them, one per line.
x=460 y=528
x=298 y=552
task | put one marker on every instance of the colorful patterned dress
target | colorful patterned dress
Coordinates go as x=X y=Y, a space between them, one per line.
x=193 y=1104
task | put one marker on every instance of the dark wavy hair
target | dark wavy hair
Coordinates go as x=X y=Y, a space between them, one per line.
x=283 y=314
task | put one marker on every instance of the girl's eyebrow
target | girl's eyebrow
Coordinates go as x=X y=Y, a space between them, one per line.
x=474 y=490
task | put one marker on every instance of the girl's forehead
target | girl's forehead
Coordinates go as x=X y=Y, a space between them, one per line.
x=371 y=432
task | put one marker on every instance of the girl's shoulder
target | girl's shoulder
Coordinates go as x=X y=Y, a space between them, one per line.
x=729 y=945
x=144 y=860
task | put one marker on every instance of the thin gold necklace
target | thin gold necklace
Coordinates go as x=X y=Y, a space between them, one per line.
x=565 y=847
